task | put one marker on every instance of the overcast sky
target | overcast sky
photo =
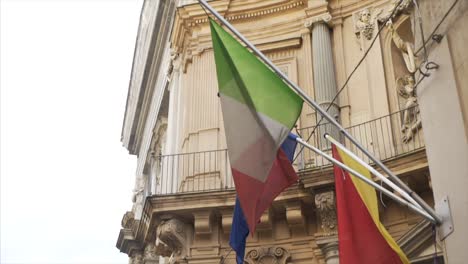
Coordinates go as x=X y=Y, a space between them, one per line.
x=66 y=180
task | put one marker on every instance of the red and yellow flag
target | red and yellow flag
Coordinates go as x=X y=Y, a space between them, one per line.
x=362 y=237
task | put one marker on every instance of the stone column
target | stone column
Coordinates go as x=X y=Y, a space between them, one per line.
x=324 y=74
x=326 y=237
x=331 y=253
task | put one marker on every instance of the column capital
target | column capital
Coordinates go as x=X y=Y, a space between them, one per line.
x=322 y=18
x=325 y=203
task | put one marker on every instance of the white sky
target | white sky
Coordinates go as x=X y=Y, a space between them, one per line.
x=66 y=180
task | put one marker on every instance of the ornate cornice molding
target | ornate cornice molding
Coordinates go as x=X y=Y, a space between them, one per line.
x=242 y=11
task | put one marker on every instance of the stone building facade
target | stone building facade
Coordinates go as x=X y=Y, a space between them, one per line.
x=184 y=194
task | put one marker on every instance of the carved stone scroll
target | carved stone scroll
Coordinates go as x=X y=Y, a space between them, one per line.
x=270 y=255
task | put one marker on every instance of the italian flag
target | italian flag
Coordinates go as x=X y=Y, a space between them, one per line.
x=362 y=237
x=259 y=111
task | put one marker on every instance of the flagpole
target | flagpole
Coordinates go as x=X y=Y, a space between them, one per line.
x=372 y=170
x=309 y=100
x=370 y=182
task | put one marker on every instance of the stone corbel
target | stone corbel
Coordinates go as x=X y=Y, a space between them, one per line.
x=323 y=18
x=294 y=214
x=202 y=222
x=171 y=238
x=265 y=221
x=128 y=219
x=226 y=219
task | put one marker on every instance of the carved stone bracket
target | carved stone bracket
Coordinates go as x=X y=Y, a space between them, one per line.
x=128 y=220
x=325 y=203
x=276 y=255
x=265 y=221
x=294 y=214
x=171 y=240
x=226 y=220
x=202 y=222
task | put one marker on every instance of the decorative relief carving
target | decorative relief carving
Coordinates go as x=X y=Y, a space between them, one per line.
x=128 y=219
x=365 y=23
x=325 y=203
x=387 y=12
x=174 y=64
x=171 y=239
x=406 y=49
x=149 y=253
x=136 y=258
x=411 y=121
x=271 y=255
x=138 y=196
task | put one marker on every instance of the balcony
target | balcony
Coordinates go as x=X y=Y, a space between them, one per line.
x=210 y=170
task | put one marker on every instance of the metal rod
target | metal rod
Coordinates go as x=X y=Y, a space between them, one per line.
x=368 y=181
x=372 y=170
x=311 y=102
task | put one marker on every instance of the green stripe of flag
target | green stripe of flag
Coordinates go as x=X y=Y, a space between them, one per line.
x=243 y=77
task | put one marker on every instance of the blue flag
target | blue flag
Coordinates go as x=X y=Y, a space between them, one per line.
x=239 y=233
x=240 y=229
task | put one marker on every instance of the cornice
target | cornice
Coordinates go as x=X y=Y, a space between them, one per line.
x=191 y=34
x=193 y=15
x=341 y=11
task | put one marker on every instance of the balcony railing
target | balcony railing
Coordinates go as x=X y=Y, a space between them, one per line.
x=385 y=137
x=210 y=170
x=194 y=172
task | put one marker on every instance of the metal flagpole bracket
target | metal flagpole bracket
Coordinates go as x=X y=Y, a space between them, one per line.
x=443 y=210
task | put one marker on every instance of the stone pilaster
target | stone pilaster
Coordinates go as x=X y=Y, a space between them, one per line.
x=324 y=73
x=327 y=235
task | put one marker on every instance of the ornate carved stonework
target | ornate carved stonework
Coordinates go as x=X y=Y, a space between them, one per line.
x=171 y=239
x=250 y=14
x=128 y=219
x=365 y=23
x=149 y=254
x=387 y=12
x=406 y=49
x=271 y=255
x=325 y=18
x=136 y=258
x=325 y=203
x=411 y=120
x=174 y=64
